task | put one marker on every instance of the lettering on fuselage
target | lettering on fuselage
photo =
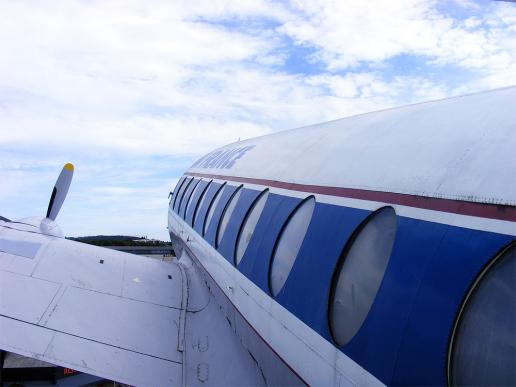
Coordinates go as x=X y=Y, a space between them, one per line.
x=222 y=159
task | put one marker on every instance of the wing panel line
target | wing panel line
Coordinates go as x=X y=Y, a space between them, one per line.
x=88 y=339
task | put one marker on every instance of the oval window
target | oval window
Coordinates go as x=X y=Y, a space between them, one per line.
x=359 y=273
x=200 y=202
x=181 y=193
x=228 y=211
x=250 y=222
x=178 y=188
x=289 y=243
x=211 y=210
x=192 y=195
x=483 y=344
x=188 y=197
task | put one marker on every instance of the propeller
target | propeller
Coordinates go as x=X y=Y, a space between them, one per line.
x=60 y=191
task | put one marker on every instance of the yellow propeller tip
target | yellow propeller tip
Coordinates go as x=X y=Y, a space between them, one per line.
x=69 y=167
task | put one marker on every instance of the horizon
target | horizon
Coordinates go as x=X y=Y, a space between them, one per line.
x=133 y=93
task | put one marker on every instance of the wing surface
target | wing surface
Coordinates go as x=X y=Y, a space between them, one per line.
x=99 y=311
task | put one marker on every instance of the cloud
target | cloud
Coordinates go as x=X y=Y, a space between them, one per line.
x=132 y=92
x=348 y=35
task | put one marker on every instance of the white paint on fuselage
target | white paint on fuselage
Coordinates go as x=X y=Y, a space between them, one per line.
x=458 y=220
x=458 y=148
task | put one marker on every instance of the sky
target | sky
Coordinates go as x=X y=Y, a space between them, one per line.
x=133 y=92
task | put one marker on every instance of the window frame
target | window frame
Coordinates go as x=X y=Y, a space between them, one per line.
x=176 y=191
x=199 y=202
x=340 y=263
x=204 y=225
x=278 y=239
x=182 y=192
x=197 y=181
x=235 y=192
x=248 y=213
x=464 y=302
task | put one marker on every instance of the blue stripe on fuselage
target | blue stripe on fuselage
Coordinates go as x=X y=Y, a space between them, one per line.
x=404 y=339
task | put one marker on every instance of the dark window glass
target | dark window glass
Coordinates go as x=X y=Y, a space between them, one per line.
x=360 y=273
x=483 y=350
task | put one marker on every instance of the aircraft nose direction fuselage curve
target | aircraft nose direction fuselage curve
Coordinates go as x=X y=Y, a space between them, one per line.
x=410 y=239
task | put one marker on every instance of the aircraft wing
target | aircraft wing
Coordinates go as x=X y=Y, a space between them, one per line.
x=146 y=322
x=95 y=310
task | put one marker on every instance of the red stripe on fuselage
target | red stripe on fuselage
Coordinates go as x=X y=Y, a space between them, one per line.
x=482 y=210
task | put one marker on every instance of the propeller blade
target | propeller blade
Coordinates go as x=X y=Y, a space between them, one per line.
x=59 y=192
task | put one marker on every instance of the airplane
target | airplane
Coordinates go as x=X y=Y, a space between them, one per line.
x=377 y=249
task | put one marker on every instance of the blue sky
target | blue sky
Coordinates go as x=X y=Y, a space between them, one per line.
x=133 y=92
